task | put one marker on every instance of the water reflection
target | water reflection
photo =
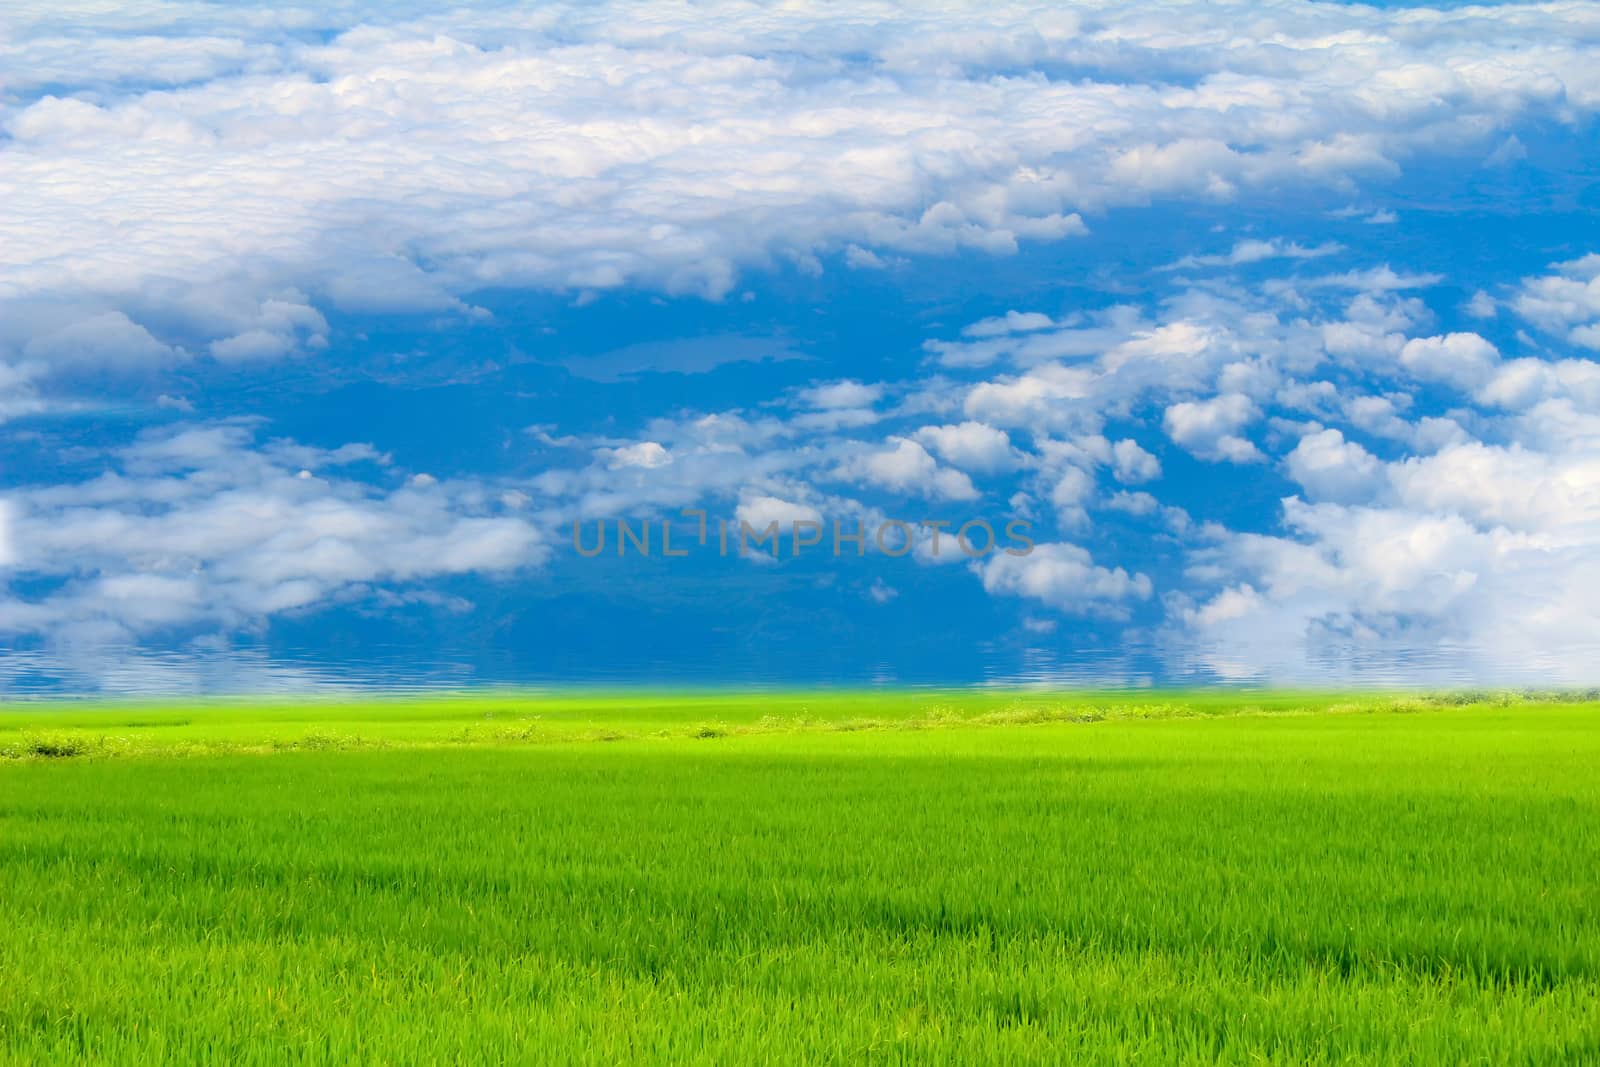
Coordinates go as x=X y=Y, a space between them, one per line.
x=216 y=672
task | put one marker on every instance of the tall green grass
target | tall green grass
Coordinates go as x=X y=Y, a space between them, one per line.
x=916 y=878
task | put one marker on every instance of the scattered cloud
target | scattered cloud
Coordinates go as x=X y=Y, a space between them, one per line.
x=972 y=446
x=880 y=593
x=907 y=468
x=1064 y=577
x=1210 y=428
x=193 y=192
x=1132 y=464
x=834 y=396
x=647 y=455
x=200 y=528
x=1255 y=250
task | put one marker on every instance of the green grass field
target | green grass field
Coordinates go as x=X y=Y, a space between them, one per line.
x=912 y=877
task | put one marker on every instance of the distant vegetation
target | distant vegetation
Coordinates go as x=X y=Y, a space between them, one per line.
x=58 y=729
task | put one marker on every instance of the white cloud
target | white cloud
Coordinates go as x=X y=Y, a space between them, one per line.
x=1482 y=306
x=107 y=338
x=1380 y=416
x=1070 y=495
x=1027 y=339
x=1387 y=560
x=1195 y=166
x=374 y=158
x=1463 y=360
x=1132 y=464
x=18 y=395
x=1174 y=343
x=647 y=455
x=861 y=259
x=1009 y=323
x=1331 y=468
x=7 y=554
x=1587 y=336
x=1411 y=566
x=1566 y=302
x=1042 y=397
x=1459 y=559
x=200 y=529
x=1137 y=503
x=1255 y=250
x=1471 y=563
x=906 y=467
x=169 y=402
x=1066 y=578
x=833 y=396
x=762 y=511
x=1383 y=279
x=973 y=446
x=1401 y=596
x=1210 y=428
x=1512 y=487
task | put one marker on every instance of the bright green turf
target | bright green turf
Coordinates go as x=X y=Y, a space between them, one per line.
x=969 y=879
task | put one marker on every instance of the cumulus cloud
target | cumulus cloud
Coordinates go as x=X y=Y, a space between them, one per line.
x=1465 y=563
x=1377 y=558
x=1513 y=487
x=761 y=511
x=1386 y=558
x=1400 y=595
x=1065 y=577
x=200 y=528
x=646 y=455
x=1070 y=496
x=1047 y=397
x=1133 y=503
x=1463 y=360
x=1210 y=428
x=972 y=446
x=1132 y=464
x=1209 y=341
x=832 y=396
x=1411 y=565
x=1331 y=468
x=1566 y=302
x=906 y=467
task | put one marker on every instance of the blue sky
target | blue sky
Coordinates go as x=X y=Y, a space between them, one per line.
x=319 y=329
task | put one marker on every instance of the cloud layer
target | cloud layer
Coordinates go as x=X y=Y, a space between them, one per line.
x=195 y=182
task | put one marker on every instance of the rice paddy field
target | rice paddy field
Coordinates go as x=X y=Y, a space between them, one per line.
x=803 y=877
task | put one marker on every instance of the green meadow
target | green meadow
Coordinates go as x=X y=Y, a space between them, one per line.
x=803 y=877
